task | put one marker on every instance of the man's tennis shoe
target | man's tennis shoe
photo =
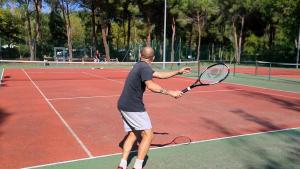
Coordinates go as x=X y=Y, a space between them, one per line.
x=121 y=168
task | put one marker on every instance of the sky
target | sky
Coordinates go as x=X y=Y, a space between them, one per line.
x=45 y=8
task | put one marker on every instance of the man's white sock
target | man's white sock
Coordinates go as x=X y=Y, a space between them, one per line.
x=138 y=164
x=123 y=163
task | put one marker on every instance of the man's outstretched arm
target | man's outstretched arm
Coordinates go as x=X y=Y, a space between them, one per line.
x=154 y=87
x=165 y=75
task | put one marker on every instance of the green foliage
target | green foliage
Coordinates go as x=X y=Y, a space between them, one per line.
x=10 y=27
x=78 y=31
x=270 y=30
x=57 y=29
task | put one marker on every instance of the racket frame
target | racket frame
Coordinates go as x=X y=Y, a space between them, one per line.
x=198 y=82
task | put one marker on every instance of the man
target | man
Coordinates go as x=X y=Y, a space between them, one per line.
x=135 y=118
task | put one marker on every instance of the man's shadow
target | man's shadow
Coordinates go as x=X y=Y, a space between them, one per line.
x=135 y=147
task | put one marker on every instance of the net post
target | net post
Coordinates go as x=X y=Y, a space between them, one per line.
x=46 y=63
x=256 y=67
x=298 y=51
x=270 y=65
x=234 y=69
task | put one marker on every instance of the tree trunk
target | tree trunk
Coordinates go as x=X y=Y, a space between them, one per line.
x=38 y=31
x=124 y=31
x=128 y=31
x=94 y=34
x=30 y=39
x=191 y=41
x=69 y=34
x=179 y=50
x=298 y=50
x=173 y=39
x=220 y=53
x=104 y=39
x=235 y=39
x=66 y=16
x=200 y=24
x=213 y=51
x=272 y=31
x=241 y=39
x=148 y=43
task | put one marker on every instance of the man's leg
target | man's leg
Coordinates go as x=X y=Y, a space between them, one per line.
x=131 y=138
x=147 y=137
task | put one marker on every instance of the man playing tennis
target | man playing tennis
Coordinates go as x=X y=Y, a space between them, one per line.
x=135 y=118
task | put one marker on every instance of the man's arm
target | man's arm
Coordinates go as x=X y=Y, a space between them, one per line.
x=165 y=75
x=154 y=87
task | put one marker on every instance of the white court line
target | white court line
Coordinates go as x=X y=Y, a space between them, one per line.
x=150 y=94
x=191 y=92
x=175 y=145
x=82 y=97
x=192 y=80
x=61 y=118
x=187 y=79
x=2 y=75
x=93 y=75
x=33 y=72
x=262 y=88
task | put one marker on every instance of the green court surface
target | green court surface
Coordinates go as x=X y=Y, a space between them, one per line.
x=285 y=84
x=273 y=150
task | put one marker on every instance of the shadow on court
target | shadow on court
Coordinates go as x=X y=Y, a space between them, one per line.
x=281 y=151
x=3 y=117
x=278 y=150
x=272 y=151
x=285 y=103
x=135 y=146
x=260 y=121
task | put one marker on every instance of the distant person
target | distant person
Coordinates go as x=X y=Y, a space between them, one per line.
x=130 y=104
x=97 y=56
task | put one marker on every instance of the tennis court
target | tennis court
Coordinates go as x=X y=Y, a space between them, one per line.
x=65 y=116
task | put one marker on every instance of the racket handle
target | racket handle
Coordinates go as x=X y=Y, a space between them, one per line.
x=186 y=89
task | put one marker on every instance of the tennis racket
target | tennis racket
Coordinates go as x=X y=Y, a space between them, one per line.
x=211 y=75
x=181 y=140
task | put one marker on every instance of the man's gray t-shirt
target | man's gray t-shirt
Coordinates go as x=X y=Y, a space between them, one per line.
x=131 y=99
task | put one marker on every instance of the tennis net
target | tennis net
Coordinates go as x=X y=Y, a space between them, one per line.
x=267 y=69
x=54 y=70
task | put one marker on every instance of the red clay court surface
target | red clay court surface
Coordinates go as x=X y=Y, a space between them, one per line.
x=73 y=115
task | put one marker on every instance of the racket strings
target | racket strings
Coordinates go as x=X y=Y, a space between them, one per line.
x=214 y=74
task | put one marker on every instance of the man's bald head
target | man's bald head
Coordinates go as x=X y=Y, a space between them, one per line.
x=147 y=53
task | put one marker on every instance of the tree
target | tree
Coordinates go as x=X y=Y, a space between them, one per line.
x=25 y=5
x=153 y=12
x=174 y=12
x=78 y=31
x=12 y=33
x=91 y=5
x=38 y=31
x=57 y=27
x=65 y=7
x=197 y=12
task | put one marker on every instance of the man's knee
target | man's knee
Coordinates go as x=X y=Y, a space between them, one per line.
x=148 y=134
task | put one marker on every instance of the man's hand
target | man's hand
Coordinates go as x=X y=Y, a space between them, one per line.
x=175 y=94
x=184 y=70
